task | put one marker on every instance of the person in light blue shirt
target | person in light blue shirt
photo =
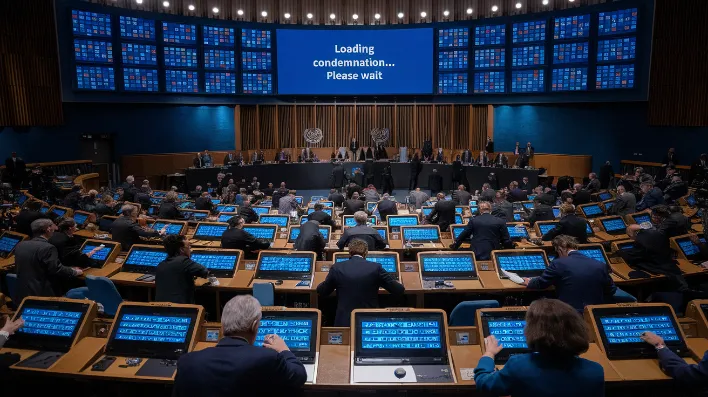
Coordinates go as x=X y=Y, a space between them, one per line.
x=556 y=335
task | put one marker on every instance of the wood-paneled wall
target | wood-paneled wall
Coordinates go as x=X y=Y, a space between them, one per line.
x=282 y=126
x=30 y=92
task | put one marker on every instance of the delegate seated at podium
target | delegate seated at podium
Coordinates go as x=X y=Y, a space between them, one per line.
x=488 y=233
x=693 y=376
x=569 y=225
x=237 y=238
x=174 y=278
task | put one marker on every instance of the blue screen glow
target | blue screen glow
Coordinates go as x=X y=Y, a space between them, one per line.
x=527 y=81
x=509 y=333
x=572 y=27
x=267 y=233
x=455 y=59
x=521 y=262
x=225 y=217
x=177 y=33
x=7 y=244
x=452 y=83
x=93 y=51
x=146 y=328
x=140 y=80
x=210 y=230
x=252 y=60
x=216 y=36
x=594 y=253
x=617 y=22
x=528 y=56
x=219 y=59
x=257 y=83
x=617 y=49
x=58 y=212
x=447 y=263
x=489 y=82
x=400 y=334
x=139 y=54
x=642 y=218
x=402 y=220
x=570 y=79
x=59 y=323
x=172 y=228
x=296 y=333
x=143 y=257
x=489 y=35
x=80 y=218
x=527 y=32
x=382 y=233
x=281 y=221
x=260 y=210
x=592 y=210
x=421 y=234
x=517 y=231
x=612 y=225
x=95 y=78
x=180 y=57
x=614 y=76
x=86 y=23
x=137 y=28
x=627 y=329
x=688 y=248
x=226 y=208
x=101 y=255
x=255 y=38
x=455 y=37
x=181 y=81
x=285 y=263
x=546 y=227
x=216 y=261
x=489 y=58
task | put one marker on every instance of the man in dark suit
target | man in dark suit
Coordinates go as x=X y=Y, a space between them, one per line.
x=237 y=238
x=515 y=193
x=489 y=147
x=204 y=202
x=29 y=214
x=525 y=185
x=353 y=187
x=197 y=161
x=126 y=230
x=488 y=194
x=338 y=176
x=435 y=182
x=320 y=216
x=229 y=158
x=353 y=205
x=427 y=150
x=415 y=168
x=69 y=246
x=652 y=196
x=174 y=278
x=247 y=213
x=530 y=151
x=362 y=232
x=440 y=156
x=672 y=223
x=354 y=148
x=651 y=252
x=235 y=366
x=357 y=282
x=675 y=190
x=501 y=160
x=16 y=170
x=625 y=202
x=483 y=160
x=670 y=158
x=336 y=197
x=443 y=213
x=488 y=233
x=387 y=207
x=105 y=207
x=38 y=265
x=310 y=238
x=168 y=207
x=540 y=212
x=282 y=191
x=467 y=157
x=580 y=195
x=578 y=279
x=606 y=174
x=594 y=185
x=569 y=225
x=687 y=376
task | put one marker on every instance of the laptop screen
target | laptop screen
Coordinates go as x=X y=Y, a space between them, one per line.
x=59 y=212
x=226 y=208
x=388 y=262
x=546 y=227
x=102 y=254
x=556 y=212
x=641 y=218
x=225 y=217
x=407 y=220
x=690 y=250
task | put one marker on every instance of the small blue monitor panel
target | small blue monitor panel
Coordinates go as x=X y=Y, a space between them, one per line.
x=137 y=28
x=625 y=246
x=623 y=49
x=220 y=264
x=215 y=201
x=459 y=210
x=219 y=59
x=279 y=220
x=180 y=57
x=97 y=78
x=260 y=210
x=517 y=232
x=315 y=199
x=569 y=79
x=614 y=225
x=571 y=53
x=256 y=60
x=139 y=54
x=533 y=55
x=85 y=23
x=525 y=264
x=178 y=33
x=424 y=234
x=458 y=219
x=388 y=262
x=220 y=83
x=427 y=210
x=556 y=212
x=141 y=80
x=297 y=333
x=116 y=196
x=8 y=242
x=258 y=83
x=447 y=265
x=223 y=218
x=474 y=210
x=389 y=334
x=409 y=220
x=181 y=81
x=100 y=255
x=199 y=215
x=21 y=198
x=454 y=37
x=209 y=232
x=172 y=228
x=528 y=81
x=456 y=231
x=591 y=210
x=574 y=27
x=44 y=209
x=266 y=233
x=551 y=257
x=690 y=250
x=489 y=83
x=349 y=221
x=593 y=253
x=489 y=35
x=611 y=77
x=518 y=217
x=80 y=218
x=617 y=22
x=641 y=218
x=452 y=83
x=226 y=208
x=186 y=205
x=295 y=233
x=272 y=262
x=256 y=38
x=508 y=328
x=528 y=32
x=489 y=58
x=143 y=259
x=546 y=227
x=298 y=200
x=454 y=59
x=588 y=229
x=528 y=205
x=370 y=206
x=156 y=200
x=93 y=51
x=605 y=196
x=49 y=325
x=219 y=37
x=59 y=212
x=531 y=197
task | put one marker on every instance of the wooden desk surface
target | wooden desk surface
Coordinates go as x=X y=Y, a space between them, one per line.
x=334 y=365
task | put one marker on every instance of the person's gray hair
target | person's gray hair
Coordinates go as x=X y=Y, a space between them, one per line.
x=127 y=210
x=386 y=196
x=40 y=226
x=360 y=217
x=130 y=179
x=239 y=315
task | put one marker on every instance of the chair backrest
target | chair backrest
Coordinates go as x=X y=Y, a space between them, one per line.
x=265 y=293
x=102 y=290
x=11 y=281
x=464 y=313
x=77 y=293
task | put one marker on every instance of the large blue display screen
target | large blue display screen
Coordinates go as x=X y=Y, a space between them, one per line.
x=295 y=332
x=509 y=333
x=629 y=329
x=349 y=62
x=146 y=328
x=285 y=263
x=405 y=334
x=49 y=322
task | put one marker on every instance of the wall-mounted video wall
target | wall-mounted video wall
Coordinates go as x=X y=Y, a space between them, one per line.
x=596 y=53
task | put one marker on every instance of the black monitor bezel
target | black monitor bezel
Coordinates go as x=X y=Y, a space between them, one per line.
x=44 y=342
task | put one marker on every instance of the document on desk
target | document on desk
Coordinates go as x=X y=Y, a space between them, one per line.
x=513 y=277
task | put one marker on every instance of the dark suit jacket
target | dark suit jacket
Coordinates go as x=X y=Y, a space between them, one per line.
x=686 y=375
x=24 y=219
x=203 y=203
x=38 y=265
x=357 y=282
x=17 y=168
x=593 y=186
x=435 y=182
x=579 y=281
x=570 y=225
x=240 y=239
x=488 y=233
x=443 y=214
x=461 y=197
x=487 y=195
x=582 y=196
x=675 y=225
x=370 y=235
x=310 y=238
x=248 y=214
x=69 y=249
x=541 y=212
x=322 y=217
x=351 y=206
x=338 y=176
x=517 y=195
x=101 y=209
x=236 y=368
x=336 y=198
x=72 y=200
x=127 y=232
x=652 y=252
x=467 y=157
x=672 y=159
x=652 y=198
x=386 y=208
x=174 y=279
x=168 y=211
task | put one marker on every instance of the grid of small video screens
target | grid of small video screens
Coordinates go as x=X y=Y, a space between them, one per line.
x=93 y=51
x=572 y=27
x=99 y=78
x=569 y=79
x=181 y=81
x=219 y=59
x=256 y=60
x=262 y=81
x=528 y=56
x=617 y=22
x=137 y=28
x=489 y=83
x=218 y=36
x=179 y=33
x=142 y=80
x=139 y=54
x=454 y=37
x=179 y=57
x=257 y=83
x=489 y=58
x=489 y=35
x=610 y=77
x=571 y=53
x=617 y=49
x=256 y=38
x=523 y=81
x=528 y=32
x=220 y=83
x=452 y=83
x=85 y=23
x=455 y=59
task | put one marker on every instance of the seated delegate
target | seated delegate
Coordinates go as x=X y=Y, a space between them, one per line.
x=569 y=225
x=692 y=376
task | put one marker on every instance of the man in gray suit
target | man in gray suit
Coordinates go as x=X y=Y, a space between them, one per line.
x=625 y=203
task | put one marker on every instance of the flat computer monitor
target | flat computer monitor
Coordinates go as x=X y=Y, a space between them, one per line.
x=691 y=200
x=387 y=260
x=447 y=265
x=260 y=209
x=518 y=217
x=225 y=216
x=106 y=254
x=8 y=243
x=227 y=208
x=594 y=251
x=349 y=220
x=421 y=234
x=265 y=232
x=327 y=210
x=625 y=245
x=314 y=199
x=173 y=227
x=620 y=329
x=298 y=328
x=426 y=211
x=21 y=199
x=527 y=263
x=371 y=205
x=156 y=200
x=508 y=327
x=608 y=205
x=517 y=231
x=50 y=324
x=81 y=218
x=474 y=210
x=545 y=227
x=294 y=232
x=688 y=248
x=591 y=210
x=604 y=196
x=186 y=205
x=279 y=220
x=396 y=221
x=194 y=215
x=284 y=265
x=221 y=264
x=642 y=217
x=215 y=201
x=614 y=225
x=556 y=212
x=267 y=203
x=59 y=211
x=456 y=230
x=588 y=229
x=303 y=219
x=460 y=209
x=159 y=193
x=528 y=205
x=472 y=203
x=143 y=259
x=209 y=231
x=458 y=219
x=298 y=199
x=153 y=209
x=152 y=331
x=383 y=232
